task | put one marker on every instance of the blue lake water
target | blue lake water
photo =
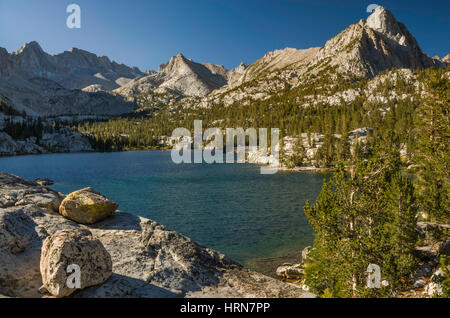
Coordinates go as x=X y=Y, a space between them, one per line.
x=228 y=207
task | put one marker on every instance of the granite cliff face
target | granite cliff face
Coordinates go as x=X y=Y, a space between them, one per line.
x=43 y=84
x=369 y=47
x=39 y=96
x=279 y=60
x=148 y=260
x=73 y=69
x=60 y=141
x=361 y=51
x=275 y=71
x=180 y=76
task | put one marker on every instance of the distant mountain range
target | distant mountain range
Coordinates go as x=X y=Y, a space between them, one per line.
x=42 y=84
x=77 y=82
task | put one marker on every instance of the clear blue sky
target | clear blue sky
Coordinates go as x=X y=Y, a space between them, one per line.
x=147 y=33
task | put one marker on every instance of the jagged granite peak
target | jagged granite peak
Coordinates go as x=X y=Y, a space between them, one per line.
x=175 y=63
x=369 y=47
x=446 y=59
x=360 y=51
x=179 y=76
x=174 y=59
x=383 y=21
x=32 y=46
x=43 y=84
x=240 y=68
x=31 y=60
x=235 y=75
x=90 y=63
x=73 y=69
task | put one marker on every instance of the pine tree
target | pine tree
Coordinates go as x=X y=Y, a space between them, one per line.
x=343 y=149
x=433 y=153
x=338 y=259
x=363 y=217
x=399 y=232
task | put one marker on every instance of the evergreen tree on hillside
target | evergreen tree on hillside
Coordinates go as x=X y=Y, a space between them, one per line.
x=399 y=233
x=343 y=148
x=433 y=153
x=363 y=217
x=326 y=154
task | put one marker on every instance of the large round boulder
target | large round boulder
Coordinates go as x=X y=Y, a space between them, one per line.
x=87 y=206
x=73 y=260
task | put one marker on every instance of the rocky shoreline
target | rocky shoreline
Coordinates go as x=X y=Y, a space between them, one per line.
x=147 y=259
x=11 y=148
x=268 y=266
x=63 y=140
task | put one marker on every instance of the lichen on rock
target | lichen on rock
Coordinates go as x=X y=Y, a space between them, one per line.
x=87 y=206
x=69 y=250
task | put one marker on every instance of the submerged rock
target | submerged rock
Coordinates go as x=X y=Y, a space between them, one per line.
x=87 y=206
x=67 y=251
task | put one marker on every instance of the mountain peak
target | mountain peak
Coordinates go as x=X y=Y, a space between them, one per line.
x=369 y=47
x=180 y=76
x=180 y=58
x=174 y=62
x=241 y=68
x=32 y=46
x=75 y=50
x=383 y=21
